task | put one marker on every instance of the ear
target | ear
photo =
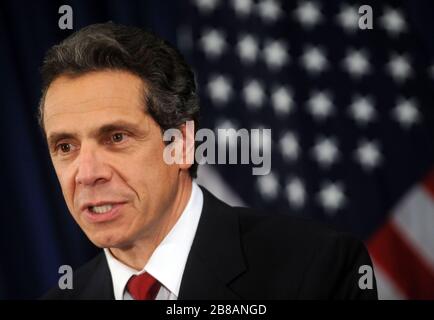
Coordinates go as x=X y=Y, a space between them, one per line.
x=187 y=130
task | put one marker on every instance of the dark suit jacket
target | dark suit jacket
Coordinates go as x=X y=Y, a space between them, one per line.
x=239 y=253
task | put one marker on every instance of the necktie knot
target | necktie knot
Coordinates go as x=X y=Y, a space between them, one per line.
x=143 y=287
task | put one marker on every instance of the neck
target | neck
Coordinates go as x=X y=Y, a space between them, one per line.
x=138 y=254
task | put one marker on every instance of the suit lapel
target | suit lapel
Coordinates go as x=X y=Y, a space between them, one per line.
x=215 y=257
x=99 y=283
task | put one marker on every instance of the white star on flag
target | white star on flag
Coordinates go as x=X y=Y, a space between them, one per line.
x=268 y=186
x=206 y=6
x=356 y=63
x=406 y=112
x=289 y=147
x=254 y=95
x=242 y=7
x=314 y=60
x=362 y=110
x=275 y=54
x=399 y=68
x=320 y=105
x=308 y=14
x=247 y=48
x=348 y=18
x=326 y=152
x=393 y=22
x=213 y=43
x=282 y=101
x=269 y=10
x=331 y=197
x=219 y=89
x=295 y=192
x=368 y=155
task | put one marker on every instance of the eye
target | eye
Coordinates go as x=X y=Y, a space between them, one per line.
x=64 y=147
x=117 y=137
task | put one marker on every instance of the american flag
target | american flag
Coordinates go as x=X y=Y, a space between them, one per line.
x=351 y=116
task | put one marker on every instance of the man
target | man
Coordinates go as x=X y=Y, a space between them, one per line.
x=109 y=93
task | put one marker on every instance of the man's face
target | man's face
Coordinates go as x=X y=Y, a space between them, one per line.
x=108 y=157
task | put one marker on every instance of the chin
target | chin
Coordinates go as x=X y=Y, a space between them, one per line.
x=108 y=239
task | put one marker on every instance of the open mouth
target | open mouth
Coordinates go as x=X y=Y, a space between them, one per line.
x=100 y=209
x=103 y=212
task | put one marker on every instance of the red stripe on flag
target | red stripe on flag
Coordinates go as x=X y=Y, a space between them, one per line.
x=410 y=273
x=428 y=183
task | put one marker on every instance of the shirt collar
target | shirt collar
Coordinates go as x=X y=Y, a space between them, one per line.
x=168 y=260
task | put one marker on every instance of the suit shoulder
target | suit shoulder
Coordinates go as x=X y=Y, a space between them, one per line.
x=299 y=237
x=325 y=261
x=283 y=226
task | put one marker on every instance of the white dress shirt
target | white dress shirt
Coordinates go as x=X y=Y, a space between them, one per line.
x=168 y=260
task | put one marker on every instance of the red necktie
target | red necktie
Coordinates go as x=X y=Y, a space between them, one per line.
x=143 y=287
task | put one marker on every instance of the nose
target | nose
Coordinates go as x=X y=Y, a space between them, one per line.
x=91 y=169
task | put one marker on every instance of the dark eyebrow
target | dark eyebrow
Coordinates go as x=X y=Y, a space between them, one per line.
x=54 y=137
x=116 y=126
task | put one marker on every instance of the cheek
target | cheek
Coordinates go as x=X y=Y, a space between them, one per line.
x=148 y=171
x=149 y=175
x=67 y=183
x=151 y=158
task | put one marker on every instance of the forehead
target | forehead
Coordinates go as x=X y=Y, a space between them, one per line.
x=91 y=98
